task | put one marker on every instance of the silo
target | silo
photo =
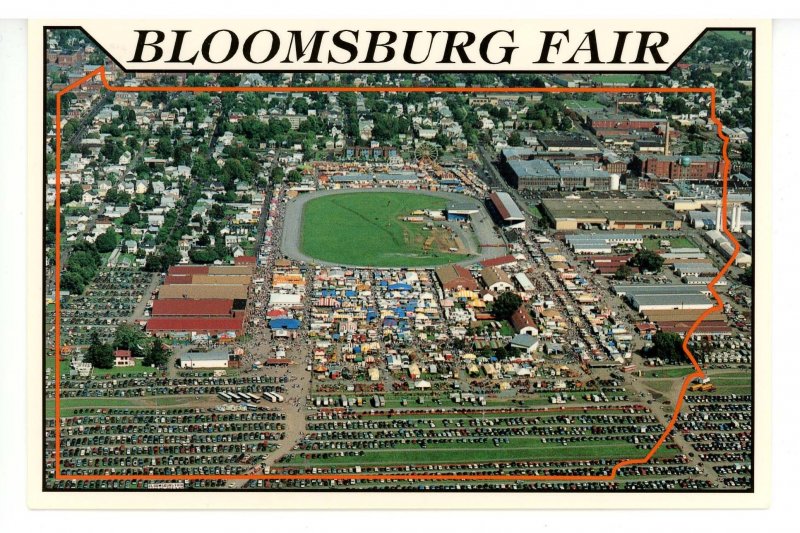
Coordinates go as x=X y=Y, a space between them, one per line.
x=614 y=182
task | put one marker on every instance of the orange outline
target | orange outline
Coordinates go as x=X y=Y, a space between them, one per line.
x=711 y=91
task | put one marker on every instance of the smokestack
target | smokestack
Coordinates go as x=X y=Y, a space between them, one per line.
x=719 y=218
x=666 y=140
x=736 y=218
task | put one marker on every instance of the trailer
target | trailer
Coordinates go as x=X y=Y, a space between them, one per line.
x=278 y=396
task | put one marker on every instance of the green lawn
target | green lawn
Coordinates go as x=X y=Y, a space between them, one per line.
x=669 y=372
x=367 y=229
x=583 y=104
x=123 y=370
x=518 y=449
x=617 y=78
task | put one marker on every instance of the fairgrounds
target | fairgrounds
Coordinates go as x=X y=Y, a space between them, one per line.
x=358 y=237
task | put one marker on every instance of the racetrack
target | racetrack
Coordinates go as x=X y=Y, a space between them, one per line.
x=483 y=227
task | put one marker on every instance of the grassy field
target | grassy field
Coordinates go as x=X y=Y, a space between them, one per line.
x=668 y=372
x=583 y=104
x=617 y=78
x=367 y=229
x=69 y=405
x=138 y=368
x=519 y=449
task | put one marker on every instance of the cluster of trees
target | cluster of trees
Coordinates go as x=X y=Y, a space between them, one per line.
x=50 y=225
x=647 y=260
x=107 y=241
x=747 y=276
x=667 y=346
x=548 y=114
x=82 y=266
x=126 y=337
x=505 y=305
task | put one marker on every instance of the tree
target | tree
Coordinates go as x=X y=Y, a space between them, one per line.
x=747 y=276
x=276 y=174
x=623 y=272
x=505 y=305
x=157 y=355
x=515 y=139
x=99 y=354
x=132 y=216
x=294 y=176
x=127 y=337
x=647 y=260
x=666 y=346
x=107 y=241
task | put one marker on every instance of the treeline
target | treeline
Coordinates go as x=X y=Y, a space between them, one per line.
x=82 y=266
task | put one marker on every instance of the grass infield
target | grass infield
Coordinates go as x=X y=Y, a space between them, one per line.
x=368 y=229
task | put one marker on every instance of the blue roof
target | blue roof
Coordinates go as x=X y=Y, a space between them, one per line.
x=284 y=323
x=400 y=287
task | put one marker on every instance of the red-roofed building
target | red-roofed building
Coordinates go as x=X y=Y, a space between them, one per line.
x=244 y=260
x=200 y=308
x=498 y=261
x=174 y=279
x=195 y=325
x=123 y=358
x=188 y=269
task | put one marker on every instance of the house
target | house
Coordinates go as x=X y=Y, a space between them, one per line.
x=524 y=342
x=123 y=358
x=130 y=246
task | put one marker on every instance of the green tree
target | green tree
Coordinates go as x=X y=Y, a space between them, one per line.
x=107 y=241
x=747 y=276
x=666 y=346
x=647 y=260
x=99 y=354
x=515 y=139
x=132 y=216
x=157 y=355
x=506 y=304
x=623 y=272
x=128 y=337
x=294 y=176
x=276 y=174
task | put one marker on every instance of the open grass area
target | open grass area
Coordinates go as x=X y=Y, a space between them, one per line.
x=617 y=78
x=521 y=449
x=70 y=405
x=654 y=243
x=583 y=104
x=368 y=229
x=138 y=368
x=668 y=372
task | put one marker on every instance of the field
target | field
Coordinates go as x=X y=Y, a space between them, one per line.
x=617 y=78
x=368 y=229
x=651 y=243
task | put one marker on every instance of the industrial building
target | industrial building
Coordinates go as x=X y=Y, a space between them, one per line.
x=210 y=359
x=609 y=213
x=505 y=210
x=683 y=167
x=646 y=297
x=601 y=243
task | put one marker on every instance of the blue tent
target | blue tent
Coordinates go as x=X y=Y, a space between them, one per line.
x=400 y=287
